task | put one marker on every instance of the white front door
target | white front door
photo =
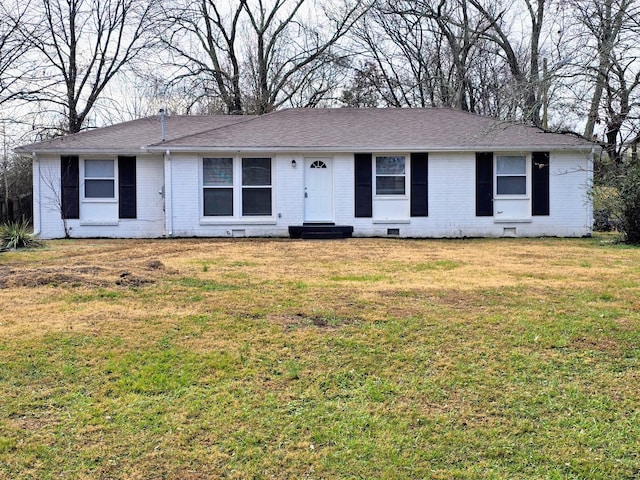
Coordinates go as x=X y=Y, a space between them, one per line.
x=318 y=190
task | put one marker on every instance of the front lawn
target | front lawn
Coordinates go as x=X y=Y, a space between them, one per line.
x=362 y=358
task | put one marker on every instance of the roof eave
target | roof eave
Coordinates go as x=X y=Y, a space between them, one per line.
x=361 y=149
x=82 y=151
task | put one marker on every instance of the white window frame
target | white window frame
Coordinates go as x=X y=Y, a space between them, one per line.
x=526 y=175
x=244 y=187
x=237 y=187
x=406 y=175
x=84 y=178
x=204 y=187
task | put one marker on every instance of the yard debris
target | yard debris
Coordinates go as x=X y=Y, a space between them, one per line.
x=135 y=275
x=154 y=265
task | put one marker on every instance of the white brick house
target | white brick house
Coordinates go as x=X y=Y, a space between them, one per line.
x=313 y=172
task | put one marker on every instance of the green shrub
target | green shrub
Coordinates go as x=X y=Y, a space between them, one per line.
x=630 y=204
x=16 y=235
x=606 y=208
x=616 y=202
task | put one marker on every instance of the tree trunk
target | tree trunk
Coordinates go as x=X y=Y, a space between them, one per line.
x=5 y=176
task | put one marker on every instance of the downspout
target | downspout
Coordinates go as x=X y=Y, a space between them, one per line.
x=590 y=193
x=37 y=201
x=168 y=193
x=163 y=124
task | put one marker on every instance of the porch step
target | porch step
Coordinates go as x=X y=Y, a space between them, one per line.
x=317 y=231
x=321 y=235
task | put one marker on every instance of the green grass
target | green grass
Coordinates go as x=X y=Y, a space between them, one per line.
x=466 y=360
x=357 y=278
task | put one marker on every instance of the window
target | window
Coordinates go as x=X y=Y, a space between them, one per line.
x=318 y=164
x=99 y=179
x=256 y=186
x=231 y=185
x=390 y=175
x=511 y=175
x=217 y=182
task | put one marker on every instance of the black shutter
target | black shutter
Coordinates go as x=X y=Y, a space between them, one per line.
x=70 y=183
x=484 y=184
x=364 y=182
x=127 y=187
x=419 y=184
x=540 y=181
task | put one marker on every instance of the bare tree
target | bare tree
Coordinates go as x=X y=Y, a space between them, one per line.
x=259 y=55
x=13 y=65
x=431 y=53
x=12 y=68
x=279 y=70
x=16 y=185
x=5 y=163
x=398 y=51
x=205 y=41
x=456 y=31
x=524 y=67
x=608 y=31
x=82 y=45
x=621 y=107
x=601 y=24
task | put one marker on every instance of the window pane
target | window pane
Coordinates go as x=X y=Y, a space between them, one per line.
x=217 y=172
x=389 y=165
x=98 y=169
x=511 y=165
x=99 y=189
x=318 y=164
x=218 y=202
x=390 y=185
x=256 y=201
x=512 y=185
x=256 y=171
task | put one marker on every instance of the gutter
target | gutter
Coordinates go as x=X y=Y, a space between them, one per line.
x=85 y=151
x=384 y=149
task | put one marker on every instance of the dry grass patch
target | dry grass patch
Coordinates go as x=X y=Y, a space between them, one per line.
x=366 y=358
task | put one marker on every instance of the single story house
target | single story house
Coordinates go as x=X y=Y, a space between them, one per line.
x=429 y=172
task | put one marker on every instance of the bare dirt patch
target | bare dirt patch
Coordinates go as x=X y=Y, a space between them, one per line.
x=301 y=320
x=33 y=423
x=74 y=275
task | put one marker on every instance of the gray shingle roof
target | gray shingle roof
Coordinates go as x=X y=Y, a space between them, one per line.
x=346 y=130
x=131 y=136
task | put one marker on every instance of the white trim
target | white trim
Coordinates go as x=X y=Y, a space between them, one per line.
x=134 y=152
x=287 y=150
x=99 y=223
x=391 y=222
x=168 y=193
x=406 y=175
x=237 y=189
x=37 y=192
x=83 y=178
x=513 y=220
x=588 y=187
x=527 y=176
x=235 y=221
